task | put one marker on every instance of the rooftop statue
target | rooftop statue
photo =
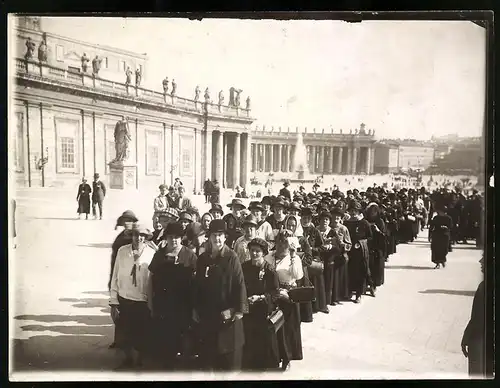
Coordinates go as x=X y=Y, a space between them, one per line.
x=85 y=62
x=174 y=88
x=248 y=103
x=197 y=92
x=42 y=51
x=207 y=95
x=30 y=49
x=221 y=97
x=165 y=85
x=138 y=77
x=96 y=65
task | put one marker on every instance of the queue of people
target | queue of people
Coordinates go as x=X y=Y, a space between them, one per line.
x=230 y=290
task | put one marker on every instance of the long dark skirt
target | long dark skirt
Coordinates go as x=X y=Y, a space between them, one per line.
x=439 y=251
x=405 y=231
x=377 y=267
x=340 y=284
x=291 y=338
x=261 y=351
x=134 y=324
x=169 y=335
x=318 y=281
x=84 y=205
x=358 y=271
x=306 y=309
x=391 y=244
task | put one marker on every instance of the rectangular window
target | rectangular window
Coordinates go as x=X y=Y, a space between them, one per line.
x=186 y=155
x=67 y=152
x=67 y=145
x=186 y=161
x=60 y=53
x=153 y=152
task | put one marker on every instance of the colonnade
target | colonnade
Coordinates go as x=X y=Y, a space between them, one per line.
x=342 y=159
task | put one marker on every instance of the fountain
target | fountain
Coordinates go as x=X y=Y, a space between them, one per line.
x=300 y=157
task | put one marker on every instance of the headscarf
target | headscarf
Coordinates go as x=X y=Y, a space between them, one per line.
x=299 y=232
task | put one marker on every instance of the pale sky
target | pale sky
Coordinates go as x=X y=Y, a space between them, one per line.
x=403 y=79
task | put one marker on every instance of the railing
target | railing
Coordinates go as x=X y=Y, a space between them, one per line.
x=49 y=72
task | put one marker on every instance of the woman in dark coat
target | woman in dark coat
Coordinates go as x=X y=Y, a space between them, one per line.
x=83 y=198
x=439 y=235
x=172 y=276
x=261 y=351
x=361 y=234
x=289 y=269
x=220 y=302
x=377 y=245
x=340 y=290
x=305 y=253
x=126 y=220
x=317 y=278
x=233 y=232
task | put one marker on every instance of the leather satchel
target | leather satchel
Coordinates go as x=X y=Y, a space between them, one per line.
x=302 y=294
x=316 y=268
x=276 y=320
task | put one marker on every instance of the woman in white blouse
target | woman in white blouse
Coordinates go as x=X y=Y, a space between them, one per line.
x=130 y=296
x=289 y=269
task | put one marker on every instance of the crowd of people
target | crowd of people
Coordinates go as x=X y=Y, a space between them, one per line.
x=229 y=289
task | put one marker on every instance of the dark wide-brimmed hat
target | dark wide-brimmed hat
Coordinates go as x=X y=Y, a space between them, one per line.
x=96 y=175
x=325 y=214
x=216 y=207
x=194 y=230
x=127 y=215
x=255 y=205
x=261 y=243
x=337 y=211
x=162 y=187
x=266 y=200
x=236 y=202
x=217 y=226
x=279 y=202
x=185 y=216
x=355 y=205
x=294 y=206
x=250 y=220
x=174 y=229
x=306 y=212
x=286 y=183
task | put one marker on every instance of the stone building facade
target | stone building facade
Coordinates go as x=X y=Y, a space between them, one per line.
x=62 y=122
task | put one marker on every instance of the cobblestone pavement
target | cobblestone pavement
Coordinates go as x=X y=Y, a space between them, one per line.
x=59 y=303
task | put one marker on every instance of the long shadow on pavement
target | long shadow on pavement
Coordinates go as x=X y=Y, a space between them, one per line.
x=406 y=267
x=449 y=292
x=76 y=342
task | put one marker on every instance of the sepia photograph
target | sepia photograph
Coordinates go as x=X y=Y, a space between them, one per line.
x=247 y=198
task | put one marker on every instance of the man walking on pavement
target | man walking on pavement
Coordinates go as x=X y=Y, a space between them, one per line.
x=98 y=194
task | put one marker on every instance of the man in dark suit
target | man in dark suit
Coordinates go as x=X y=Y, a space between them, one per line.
x=98 y=194
x=285 y=192
x=220 y=302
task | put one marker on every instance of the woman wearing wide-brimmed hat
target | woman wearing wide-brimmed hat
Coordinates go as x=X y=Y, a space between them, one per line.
x=172 y=273
x=261 y=351
x=289 y=269
x=440 y=235
x=378 y=244
x=83 y=198
x=340 y=291
x=233 y=231
x=220 y=302
x=130 y=295
x=359 y=270
x=249 y=233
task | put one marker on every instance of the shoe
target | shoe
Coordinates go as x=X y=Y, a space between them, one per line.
x=100 y=218
x=357 y=300
x=444 y=265
x=325 y=311
x=285 y=366
x=372 y=291
x=437 y=266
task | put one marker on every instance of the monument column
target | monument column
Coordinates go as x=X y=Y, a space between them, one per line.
x=354 y=160
x=279 y=159
x=271 y=157
x=338 y=168
x=219 y=149
x=236 y=159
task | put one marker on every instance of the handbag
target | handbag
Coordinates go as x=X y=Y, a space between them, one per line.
x=302 y=294
x=316 y=268
x=276 y=320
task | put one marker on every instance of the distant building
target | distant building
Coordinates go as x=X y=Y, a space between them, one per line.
x=400 y=155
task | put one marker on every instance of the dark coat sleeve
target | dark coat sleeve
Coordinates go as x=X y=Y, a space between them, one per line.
x=239 y=292
x=475 y=328
x=103 y=189
x=307 y=256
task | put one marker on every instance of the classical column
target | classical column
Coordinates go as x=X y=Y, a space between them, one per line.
x=252 y=156
x=348 y=170
x=321 y=160
x=271 y=157
x=354 y=160
x=329 y=161
x=312 y=154
x=368 y=161
x=245 y=161
x=284 y=156
x=208 y=155
x=224 y=156
x=290 y=158
x=236 y=160
x=279 y=158
x=372 y=160
x=338 y=167
x=219 y=150
x=264 y=157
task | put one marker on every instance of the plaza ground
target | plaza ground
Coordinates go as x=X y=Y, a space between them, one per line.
x=60 y=317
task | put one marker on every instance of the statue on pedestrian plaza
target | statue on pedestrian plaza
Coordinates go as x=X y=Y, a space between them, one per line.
x=138 y=77
x=174 y=88
x=85 y=62
x=30 y=49
x=221 y=97
x=248 y=103
x=197 y=92
x=96 y=65
x=128 y=74
x=165 y=85
x=42 y=50
x=122 y=140
x=207 y=95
